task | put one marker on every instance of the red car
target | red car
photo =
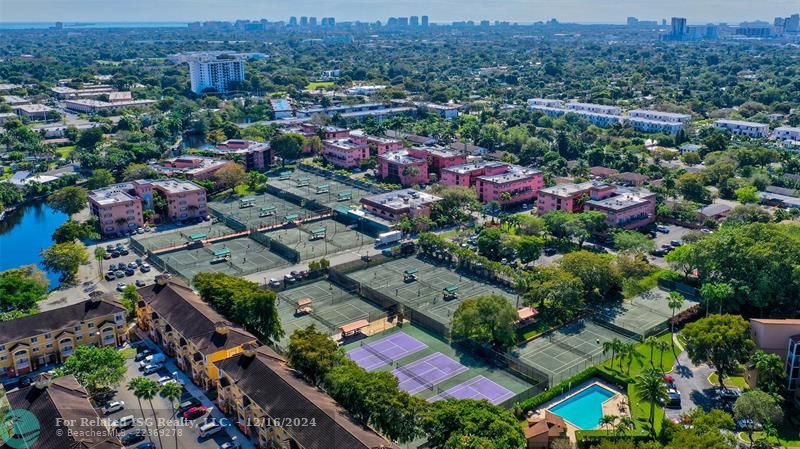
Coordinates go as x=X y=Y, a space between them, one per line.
x=195 y=412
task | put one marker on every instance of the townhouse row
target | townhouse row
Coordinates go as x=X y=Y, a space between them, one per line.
x=643 y=120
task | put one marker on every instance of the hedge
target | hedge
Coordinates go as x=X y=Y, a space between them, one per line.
x=588 y=438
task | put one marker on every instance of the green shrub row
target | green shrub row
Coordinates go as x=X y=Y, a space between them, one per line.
x=589 y=438
x=561 y=388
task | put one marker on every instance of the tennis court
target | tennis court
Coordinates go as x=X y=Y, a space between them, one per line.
x=236 y=257
x=386 y=351
x=332 y=307
x=326 y=191
x=643 y=313
x=169 y=239
x=319 y=238
x=259 y=211
x=476 y=388
x=569 y=349
x=437 y=290
x=429 y=367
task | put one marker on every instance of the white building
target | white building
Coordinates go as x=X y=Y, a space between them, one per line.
x=750 y=129
x=786 y=133
x=213 y=71
x=545 y=102
x=365 y=90
x=660 y=116
x=654 y=126
x=595 y=108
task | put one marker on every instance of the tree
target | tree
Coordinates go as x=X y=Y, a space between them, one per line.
x=139 y=171
x=651 y=388
x=229 y=176
x=21 y=288
x=771 y=372
x=747 y=194
x=613 y=347
x=96 y=368
x=313 y=353
x=99 y=255
x=216 y=136
x=489 y=242
x=601 y=279
x=692 y=187
x=65 y=258
x=721 y=340
x=255 y=180
x=100 y=178
x=449 y=421
x=759 y=408
x=136 y=385
x=287 y=146
x=675 y=302
x=749 y=213
x=69 y=200
x=89 y=138
x=72 y=230
x=716 y=293
x=487 y=319
x=147 y=389
x=130 y=299
x=173 y=391
x=632 y=241
x=651 y=341
x=607 y=422
x=556 y=292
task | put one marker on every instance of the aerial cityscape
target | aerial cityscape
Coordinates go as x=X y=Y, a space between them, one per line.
x=399 y=225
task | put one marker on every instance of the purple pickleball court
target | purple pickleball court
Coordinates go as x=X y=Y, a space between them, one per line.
x=476 y=388
x=427 y=372
x=382 y=352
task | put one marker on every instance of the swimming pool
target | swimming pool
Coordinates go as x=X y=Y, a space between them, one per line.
x=585 y=408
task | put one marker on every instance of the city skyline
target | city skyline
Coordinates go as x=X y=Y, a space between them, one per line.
x=522 y=11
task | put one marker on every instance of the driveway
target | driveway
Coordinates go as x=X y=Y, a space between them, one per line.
x=692 y=382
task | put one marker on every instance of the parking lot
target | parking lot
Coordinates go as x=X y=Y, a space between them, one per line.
x=663 y=239
x=158 y=417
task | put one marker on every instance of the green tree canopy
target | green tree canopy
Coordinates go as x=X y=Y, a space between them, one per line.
x=487 y=320
x=96 y=368
x=65 y=258
x=70 y=199
x=21 y=288
x=450 y=423
x=313 y=353
x=722 y=340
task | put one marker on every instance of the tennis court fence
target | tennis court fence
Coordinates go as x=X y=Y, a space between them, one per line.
x=603 y=320
x=276 y=247
x=508 y=361
x=359 y=184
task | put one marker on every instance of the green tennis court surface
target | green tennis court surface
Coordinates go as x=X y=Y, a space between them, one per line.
x=642 y=314
x=258 y=211
x=169 y=239
x=326 y=191
x=242 y=256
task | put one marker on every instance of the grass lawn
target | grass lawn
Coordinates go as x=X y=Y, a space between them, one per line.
x=732 y=381
x=640 y=410
x=243 y=190
x=65 y=151
x=641 y=360
x=320 y=85
x=128 y=353
x=788 y=435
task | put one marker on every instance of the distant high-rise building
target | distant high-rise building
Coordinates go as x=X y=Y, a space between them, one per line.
x=328 y=22
x=303 y=21
x=402 y=21
x=633 y=21
x=312 y=21
x=792 y=23
x=485 y=23
x=215 y=71
x=678 y=27
x=424 y=21
x=663 y=22
x=59 y=25
x=413 y=21
x=293 y=21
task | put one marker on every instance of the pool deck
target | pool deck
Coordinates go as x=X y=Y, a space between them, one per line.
x=617 y=405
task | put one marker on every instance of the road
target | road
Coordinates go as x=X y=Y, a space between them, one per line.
x=692 y=382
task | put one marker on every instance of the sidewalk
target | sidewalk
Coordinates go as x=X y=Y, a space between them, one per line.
x=198 y=393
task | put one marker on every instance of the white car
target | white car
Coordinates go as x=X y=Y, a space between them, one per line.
x=232 y=444
x=163 y=380
x=209 y=428
x=150 y=369
x=113 y=406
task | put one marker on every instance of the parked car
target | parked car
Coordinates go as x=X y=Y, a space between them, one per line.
x=107 y=256
x=675 y=243
x=126 y=422
x=133 y=265
x=113 y=406
x=288 y=278
x=110 y=248
x=673 y=398
x=152 y=368
x=139 y=262
x=187 y=404
x=232 y=444
x=209 y=428
x=550 y=251
x=130 y=272
x=195 y=412
x=662 y=229
x=119 y=274
x=146 y=445
x=124 y=252
x=729 y=393
x=144 y=268
x=748 y=424
x=115 y=254
x=140 y=283
x=142 y=355
x=133 y=437
x=110 y=276
x=121 y=286
x=274 y=282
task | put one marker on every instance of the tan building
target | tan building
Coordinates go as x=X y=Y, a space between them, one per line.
x=781 y=337
x=261 y=392
x=32 y=342
x=542 y=431
x=187 y=328
x=67 y=419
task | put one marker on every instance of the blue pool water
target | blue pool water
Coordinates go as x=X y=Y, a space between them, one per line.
x=585 y=408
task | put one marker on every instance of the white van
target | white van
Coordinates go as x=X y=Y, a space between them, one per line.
x=123 y=423
x=209 y=428
x=152 y=359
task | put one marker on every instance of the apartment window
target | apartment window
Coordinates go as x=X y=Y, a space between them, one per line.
x=3 y=358
x=35 y=349
x=2 y=347
x=79 y=337
x=48 y=335
x=49 y=346
x=91 y=325
x=34 y=339
x=78 y=327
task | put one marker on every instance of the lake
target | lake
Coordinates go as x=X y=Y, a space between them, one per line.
x=25 y=233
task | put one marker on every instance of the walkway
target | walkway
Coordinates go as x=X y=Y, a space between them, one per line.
x=692 y=382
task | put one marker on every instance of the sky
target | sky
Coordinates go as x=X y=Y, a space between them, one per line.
x=582 y=11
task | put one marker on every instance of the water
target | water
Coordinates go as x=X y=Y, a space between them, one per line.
x=25 y=233
x=584 y=409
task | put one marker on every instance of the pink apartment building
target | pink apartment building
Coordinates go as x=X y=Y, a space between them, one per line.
x=252 y=154
x=403 y=168
x=383 y=144
x=491 y=179
x=571 y=197
x=346 y=152
x=438 y=158
x=395 y=205
x=119 y=207
x=193 y=167
x=629 y=208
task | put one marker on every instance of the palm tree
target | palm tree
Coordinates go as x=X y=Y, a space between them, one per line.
x=173 y=391
x=612 y=347
x=662 y=347
x=651 y=341
x=99 y=254
x=625 y=424
x=622 y=351
x=651 y=388
x=770 y=369
x=607 y=421
x=630 y=354
x=148 y=389
x=675 y=301
x=135 y=385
